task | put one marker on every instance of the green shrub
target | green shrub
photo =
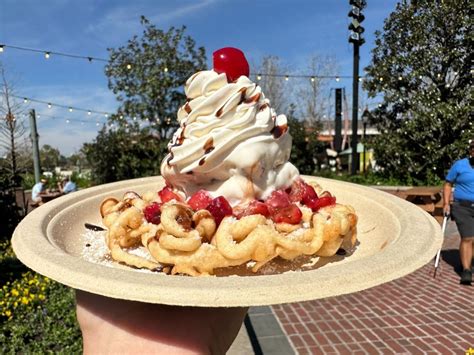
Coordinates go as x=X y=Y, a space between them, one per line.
x=37 y=315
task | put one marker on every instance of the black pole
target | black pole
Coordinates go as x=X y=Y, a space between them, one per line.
x=34 y=142
x=355 y=109
x=338 y=121
x=364 y=141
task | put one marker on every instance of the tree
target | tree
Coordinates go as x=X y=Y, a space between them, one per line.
x=312 y=93
x=273 y=86
x=50 y=157
x=421 y=64
x=124 y=153
x=148 y=73
x=12 y=130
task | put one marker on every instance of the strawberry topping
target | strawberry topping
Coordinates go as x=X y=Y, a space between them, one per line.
x=321 y=202
x=255 y=207
x=166 y=194
x=219 y=208
x=289 y=214
x=278 y=199
x=200 y=200
x=152 y=213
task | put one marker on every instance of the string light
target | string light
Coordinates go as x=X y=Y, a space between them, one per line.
x=313 y=79
x=400 y=78
x=70 y=108
x=67 y=121
x=90 y=59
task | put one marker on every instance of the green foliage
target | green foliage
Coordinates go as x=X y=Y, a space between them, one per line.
x=148 y=73
x=50 y=158
x=124 y=153
x=82 y=180
x=421 y=64
x=305 y=146
x=37 y=315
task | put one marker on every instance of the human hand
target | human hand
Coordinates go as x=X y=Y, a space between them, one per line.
x=112 y=326
x=447 y=210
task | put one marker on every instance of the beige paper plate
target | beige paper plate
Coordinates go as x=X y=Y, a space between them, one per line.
x=396 y=238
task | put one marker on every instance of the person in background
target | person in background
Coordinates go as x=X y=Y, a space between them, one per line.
x=461 y=175
x=38 y=190
x=67 y=186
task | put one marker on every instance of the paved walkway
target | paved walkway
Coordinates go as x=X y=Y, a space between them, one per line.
x=416 y=314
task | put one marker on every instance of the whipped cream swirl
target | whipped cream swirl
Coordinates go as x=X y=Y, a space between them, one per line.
x=230 y=141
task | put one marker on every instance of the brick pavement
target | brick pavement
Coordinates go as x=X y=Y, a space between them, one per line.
x=414 y=314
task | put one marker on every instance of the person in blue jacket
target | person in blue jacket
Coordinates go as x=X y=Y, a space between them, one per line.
x=461 y=176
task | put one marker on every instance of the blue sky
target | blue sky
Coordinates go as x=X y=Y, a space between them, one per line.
x=290 y=29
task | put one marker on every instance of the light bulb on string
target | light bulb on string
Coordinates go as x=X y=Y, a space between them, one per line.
x=47 y=55
x=97 y=124
x=400 y=78
x=2 y=48
x=49 y=105
x=106 y=115
x=380 y=79
x=313 y=79
x=165 y=70
x=89 y=112
x=259 y=77
x=129 y=66
x=70 y=109
x=25 y=100
x=89 y=59
x=67 y=121
x=287 y=77
x=338 y=78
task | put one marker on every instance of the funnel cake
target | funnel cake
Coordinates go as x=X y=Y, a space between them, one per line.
x=231 y=196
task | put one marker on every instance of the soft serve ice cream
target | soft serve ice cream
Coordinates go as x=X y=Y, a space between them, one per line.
x=230 y=141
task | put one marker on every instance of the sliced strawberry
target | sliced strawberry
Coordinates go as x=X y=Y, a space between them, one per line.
x=289 y=214
x=309 y=195
x=296 y=191
x=200 y=200
x=166 y=194
x=255 y=207
x=321 y=202
x=278 y=199
x=219 y=208
x=152 y=213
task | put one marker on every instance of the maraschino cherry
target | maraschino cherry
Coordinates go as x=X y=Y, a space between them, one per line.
x=232 y=62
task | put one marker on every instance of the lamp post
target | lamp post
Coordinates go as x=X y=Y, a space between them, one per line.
x=356 y=39
x=365 y=118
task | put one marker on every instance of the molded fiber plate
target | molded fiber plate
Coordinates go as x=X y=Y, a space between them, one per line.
x=395 y=238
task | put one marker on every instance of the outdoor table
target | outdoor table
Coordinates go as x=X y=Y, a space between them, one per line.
x=429 y=198
x=50 y=196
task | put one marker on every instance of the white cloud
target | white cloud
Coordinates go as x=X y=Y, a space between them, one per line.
x=121 y=22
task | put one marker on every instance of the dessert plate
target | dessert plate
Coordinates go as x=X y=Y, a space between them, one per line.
x=395 y=238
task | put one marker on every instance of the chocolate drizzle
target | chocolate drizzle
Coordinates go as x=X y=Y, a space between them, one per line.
x=209 y=146
x=278 y=131
x=187 y=108
x=263 y=107
x=202 y=161
x=254 y=98
x=219 y=111
x=170 y=158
